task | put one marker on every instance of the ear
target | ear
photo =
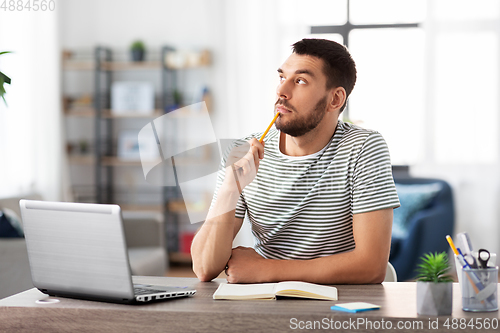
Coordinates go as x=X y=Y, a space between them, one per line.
x=338 y=97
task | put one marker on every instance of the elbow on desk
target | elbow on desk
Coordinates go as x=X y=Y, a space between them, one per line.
x=378 y=278
x=204 y=277
x=203 y=274
x=370 y=273
x=376 y=274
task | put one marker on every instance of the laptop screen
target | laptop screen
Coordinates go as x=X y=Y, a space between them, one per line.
x=77 y=248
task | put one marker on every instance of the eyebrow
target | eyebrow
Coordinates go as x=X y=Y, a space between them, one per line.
x=300 y=71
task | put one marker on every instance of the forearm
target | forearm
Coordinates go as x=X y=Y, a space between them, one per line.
x=344 y=268
x=211 y=247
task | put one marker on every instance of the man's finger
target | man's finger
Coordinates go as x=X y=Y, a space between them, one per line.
x=255 y=152
x=259 y=145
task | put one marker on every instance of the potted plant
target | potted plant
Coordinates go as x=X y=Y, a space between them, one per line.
x=3 y=79
x=137 y=49
x=434 y=287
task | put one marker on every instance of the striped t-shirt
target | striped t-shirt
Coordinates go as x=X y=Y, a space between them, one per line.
x=302 y=207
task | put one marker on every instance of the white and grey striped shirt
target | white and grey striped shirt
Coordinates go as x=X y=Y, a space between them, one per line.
x=302 y=207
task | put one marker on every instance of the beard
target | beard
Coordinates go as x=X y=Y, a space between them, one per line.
x=304 y=123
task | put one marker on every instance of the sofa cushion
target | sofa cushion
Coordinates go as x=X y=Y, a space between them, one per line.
x=413 y=198
x=148 y=261
x=10 y=227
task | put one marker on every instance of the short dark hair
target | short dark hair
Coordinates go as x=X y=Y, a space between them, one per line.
x=339 y=67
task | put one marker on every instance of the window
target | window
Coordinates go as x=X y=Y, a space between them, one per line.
x=387 y=44
x=427 y=83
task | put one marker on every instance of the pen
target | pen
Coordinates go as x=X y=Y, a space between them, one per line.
x=465 y=264
x=269 y=127
x=473 y=279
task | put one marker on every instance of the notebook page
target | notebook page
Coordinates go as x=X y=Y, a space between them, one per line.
x=242 y=291
x=297 y=287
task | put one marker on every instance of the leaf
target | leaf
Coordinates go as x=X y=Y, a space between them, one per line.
x=433 y=268
x=4 y=78
x=2 y=89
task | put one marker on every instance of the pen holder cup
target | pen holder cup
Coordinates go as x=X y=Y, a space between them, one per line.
x=491 y=263
x=479 y=289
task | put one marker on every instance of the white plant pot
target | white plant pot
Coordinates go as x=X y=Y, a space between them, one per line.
x=434 y=299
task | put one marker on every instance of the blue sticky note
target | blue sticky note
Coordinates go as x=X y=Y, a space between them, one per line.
x=355 y=307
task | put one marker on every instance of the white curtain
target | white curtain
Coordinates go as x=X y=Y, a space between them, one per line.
x=30 y=126
x=251 y=58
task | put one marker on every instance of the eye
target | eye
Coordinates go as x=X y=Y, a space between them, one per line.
x=281 y=78
x=301 y=81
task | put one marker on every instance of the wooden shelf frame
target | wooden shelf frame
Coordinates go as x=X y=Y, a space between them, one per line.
x=102 y=66
x=204 y=60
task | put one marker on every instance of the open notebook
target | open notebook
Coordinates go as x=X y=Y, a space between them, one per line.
x=271 y=290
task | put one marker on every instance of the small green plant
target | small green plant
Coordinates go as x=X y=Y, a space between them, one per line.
x=3 y=79
x=138 y=46
x=433 y=268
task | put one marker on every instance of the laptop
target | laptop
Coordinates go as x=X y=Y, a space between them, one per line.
x=78 y=250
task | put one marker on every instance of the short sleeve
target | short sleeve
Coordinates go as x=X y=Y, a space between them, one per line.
x=373 y=185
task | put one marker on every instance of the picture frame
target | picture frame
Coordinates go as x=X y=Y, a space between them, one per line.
x=130 y=97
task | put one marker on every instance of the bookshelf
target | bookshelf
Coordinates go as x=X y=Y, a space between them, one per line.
x=98 y=158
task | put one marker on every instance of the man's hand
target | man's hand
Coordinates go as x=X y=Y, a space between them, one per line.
x=245 y=266
x=242 y=165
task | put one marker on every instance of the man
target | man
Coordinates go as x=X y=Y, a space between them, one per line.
x=319 y=193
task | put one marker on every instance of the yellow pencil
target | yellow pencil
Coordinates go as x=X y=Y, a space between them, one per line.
x=452 y=245
x=454 y=248
x=269 y=127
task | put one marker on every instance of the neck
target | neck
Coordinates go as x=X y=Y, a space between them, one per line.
x=311 y=142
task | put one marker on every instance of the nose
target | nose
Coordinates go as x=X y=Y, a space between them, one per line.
x=283 y=90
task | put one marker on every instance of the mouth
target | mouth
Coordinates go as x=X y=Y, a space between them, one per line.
x=281 y=109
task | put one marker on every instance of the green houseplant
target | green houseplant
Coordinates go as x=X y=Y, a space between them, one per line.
x=138 y=50
x=434 y=286
x=3 y=79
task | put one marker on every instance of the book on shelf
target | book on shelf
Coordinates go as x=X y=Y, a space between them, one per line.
x=274 y=290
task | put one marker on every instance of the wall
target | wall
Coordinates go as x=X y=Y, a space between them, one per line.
x=247 y=39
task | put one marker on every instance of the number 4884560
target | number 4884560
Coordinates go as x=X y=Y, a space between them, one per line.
x=28 y=5
x=473 y=323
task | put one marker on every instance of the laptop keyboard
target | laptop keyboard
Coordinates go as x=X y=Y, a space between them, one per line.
x=146 y=291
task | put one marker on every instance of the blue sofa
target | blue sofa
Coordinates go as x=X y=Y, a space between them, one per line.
x=426 y=229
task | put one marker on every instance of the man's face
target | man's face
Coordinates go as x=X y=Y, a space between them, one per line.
x=301 y=95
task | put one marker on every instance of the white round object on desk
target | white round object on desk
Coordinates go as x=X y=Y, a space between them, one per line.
x=47 y=301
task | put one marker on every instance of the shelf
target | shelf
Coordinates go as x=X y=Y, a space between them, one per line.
x=130 y=65
x=103 y=63
x=106 y=160
x=78 y=65
x=75 y=65
x=142 y=208
x=81 y=159
x=174 y=61
x=173 y=206
x=107 y=113
x=116 y=161
x=80 y=111
x=89 y=111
